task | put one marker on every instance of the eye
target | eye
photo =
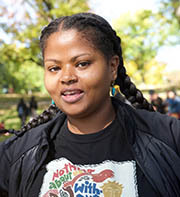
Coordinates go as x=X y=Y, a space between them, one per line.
x=54 y=68
x=83 y=64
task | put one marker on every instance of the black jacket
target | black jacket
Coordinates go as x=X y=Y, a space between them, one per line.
x=153 y=138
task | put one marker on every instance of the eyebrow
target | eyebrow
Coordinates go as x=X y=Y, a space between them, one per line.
x=72 y=59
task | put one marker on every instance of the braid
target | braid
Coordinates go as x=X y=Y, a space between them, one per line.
x=133 y=95
x=47 y=115
x=97 y=23
x=127 y=87
x=99 y=32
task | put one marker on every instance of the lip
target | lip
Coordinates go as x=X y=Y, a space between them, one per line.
x=71 y=96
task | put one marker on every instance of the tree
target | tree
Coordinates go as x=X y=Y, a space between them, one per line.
x=21 y=77
x=170 y=9
x=23 y=25
x=142 y=35
x=153 y=72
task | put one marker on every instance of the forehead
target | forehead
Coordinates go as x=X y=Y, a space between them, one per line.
x=67 y=36
x=67 y=44
x=65 y=40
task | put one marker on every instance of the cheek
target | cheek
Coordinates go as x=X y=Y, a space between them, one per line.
x=98 y=81
x=46 y=83
x=50 y=83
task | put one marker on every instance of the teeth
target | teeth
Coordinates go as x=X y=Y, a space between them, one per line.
x=69 y=92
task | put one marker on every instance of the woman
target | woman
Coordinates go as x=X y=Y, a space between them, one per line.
x=33 y=106
x=173 y=104
x=88 y=143
x=22 y=110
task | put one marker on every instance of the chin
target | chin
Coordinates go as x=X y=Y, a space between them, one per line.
x=76 y=114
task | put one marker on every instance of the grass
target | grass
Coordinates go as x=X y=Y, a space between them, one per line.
x=8 y=113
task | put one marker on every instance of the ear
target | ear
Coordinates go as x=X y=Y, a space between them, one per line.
x=114 y=63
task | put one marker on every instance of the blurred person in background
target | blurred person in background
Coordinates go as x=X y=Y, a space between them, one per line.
x=1 y=125
x=173 y=103
x=2 y=129
x=157 y=102
x=33 y=106
x=22 y=110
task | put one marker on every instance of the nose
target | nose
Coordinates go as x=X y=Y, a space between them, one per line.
x=68 y=75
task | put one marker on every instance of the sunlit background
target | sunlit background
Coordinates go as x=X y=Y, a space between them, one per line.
x=114 y=9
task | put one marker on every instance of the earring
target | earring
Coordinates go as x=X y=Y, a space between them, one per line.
x=113 y=90
x=52 y=102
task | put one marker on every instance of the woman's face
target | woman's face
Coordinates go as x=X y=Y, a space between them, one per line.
x=77 y=76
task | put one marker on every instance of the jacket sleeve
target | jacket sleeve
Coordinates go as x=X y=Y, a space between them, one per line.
x=5 y=162
x=162 y=127
x=173 y=131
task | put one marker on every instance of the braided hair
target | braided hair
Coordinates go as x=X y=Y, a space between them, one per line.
x=100 y=34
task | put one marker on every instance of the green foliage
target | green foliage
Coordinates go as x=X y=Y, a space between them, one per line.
x=170 y=9
x=142 y=35
x=21 y=62
x=20 y=74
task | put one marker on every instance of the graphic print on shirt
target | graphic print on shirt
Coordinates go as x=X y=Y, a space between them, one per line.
x=108 y=179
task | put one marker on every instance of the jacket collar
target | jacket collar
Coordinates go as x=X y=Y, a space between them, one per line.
x=42 y=134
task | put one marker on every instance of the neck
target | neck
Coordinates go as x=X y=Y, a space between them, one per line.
x=92 y=123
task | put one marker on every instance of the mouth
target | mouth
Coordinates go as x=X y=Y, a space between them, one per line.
x=72 y=95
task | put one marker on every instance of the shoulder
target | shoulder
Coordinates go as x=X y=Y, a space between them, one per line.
x=154 y=120
x=155 y=124
x=16 y=146
x=160 y=126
